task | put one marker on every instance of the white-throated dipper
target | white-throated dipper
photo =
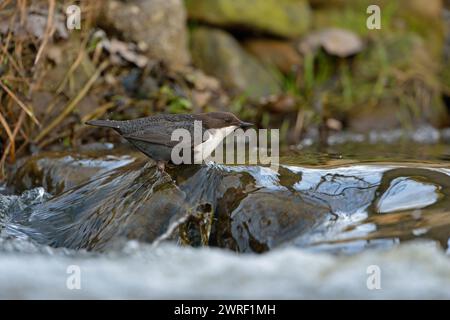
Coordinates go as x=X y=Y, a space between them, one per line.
x=153 y=135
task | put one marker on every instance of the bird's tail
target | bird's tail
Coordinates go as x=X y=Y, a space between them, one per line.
x=104 y=123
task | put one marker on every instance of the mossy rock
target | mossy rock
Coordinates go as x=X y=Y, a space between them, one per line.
x=398 y=75
x=420 y=17
x=287 y=18
x=219 y=54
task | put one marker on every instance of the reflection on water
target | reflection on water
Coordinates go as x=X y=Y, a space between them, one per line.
x=406 y=193
x=384 y=194
x=338 y=205
x=345 y=200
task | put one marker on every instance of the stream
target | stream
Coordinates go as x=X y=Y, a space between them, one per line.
x=314 y=229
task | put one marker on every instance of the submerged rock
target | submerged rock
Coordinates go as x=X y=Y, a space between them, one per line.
x=14 y=203
x=95 y=214
x=287 y=18
x=202 y=205
x=267 y=219
x=219 y=54
x=242 y=208
x=60 y=171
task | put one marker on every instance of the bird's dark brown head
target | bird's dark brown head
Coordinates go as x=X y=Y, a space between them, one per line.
x=216 y=120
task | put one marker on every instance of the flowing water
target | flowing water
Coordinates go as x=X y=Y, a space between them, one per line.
x=314 y=229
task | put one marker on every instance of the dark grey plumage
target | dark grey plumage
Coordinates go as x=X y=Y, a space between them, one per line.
x=152 y=135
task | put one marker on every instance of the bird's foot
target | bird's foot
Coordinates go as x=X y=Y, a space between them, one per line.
x=161 y=166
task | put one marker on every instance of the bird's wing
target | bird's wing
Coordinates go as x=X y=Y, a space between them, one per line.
x=157 y=135
x=152 y=137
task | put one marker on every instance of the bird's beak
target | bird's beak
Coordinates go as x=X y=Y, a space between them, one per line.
x=245 y=125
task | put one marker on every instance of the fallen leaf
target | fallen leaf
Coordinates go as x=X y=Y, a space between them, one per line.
x=120 y=50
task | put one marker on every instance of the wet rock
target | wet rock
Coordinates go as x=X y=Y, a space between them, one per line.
x=200 y=205
x=341 y=190
x=406 y=193
x=280 y=54
x=417 y=199
x=219 y=54
x=288 y=18
x=97 y=214
x=265 y=220
x=242 y=208
x=157 y=26
x=60 y=171
x=14 y=203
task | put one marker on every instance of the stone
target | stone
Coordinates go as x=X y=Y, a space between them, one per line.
x=281 y=217
x=334 y=41
x=157 y=26
x=278 y=53
x=60 y=171
x=218 y=54
x=409 y=55
x=287 y=18
x=131 y=200
x=242 y=208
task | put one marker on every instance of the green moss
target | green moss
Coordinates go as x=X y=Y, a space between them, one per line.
x=354 y=17
x=398 y=71
x=217 y=53
x=288 y=18
x=396 y=17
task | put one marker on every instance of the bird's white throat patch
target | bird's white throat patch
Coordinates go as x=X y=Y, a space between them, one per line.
x=215 y=137
x=205 y=143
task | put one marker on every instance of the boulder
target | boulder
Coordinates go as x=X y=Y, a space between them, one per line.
x=287 y=18
x=195 y=205
x=280 y=54
x=60 y=171
x=408 y=93
x=157 y=26
x=218 y=54
x=245 y=208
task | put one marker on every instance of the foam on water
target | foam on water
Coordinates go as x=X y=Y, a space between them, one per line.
x=408 y=270
x=417 y=270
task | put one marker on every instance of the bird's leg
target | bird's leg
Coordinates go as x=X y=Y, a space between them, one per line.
x=161 y=165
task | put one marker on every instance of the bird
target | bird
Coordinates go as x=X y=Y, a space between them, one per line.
x=153 y=135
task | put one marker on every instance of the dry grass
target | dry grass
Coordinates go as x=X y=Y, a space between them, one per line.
x=52 y=80
x=23 y=65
